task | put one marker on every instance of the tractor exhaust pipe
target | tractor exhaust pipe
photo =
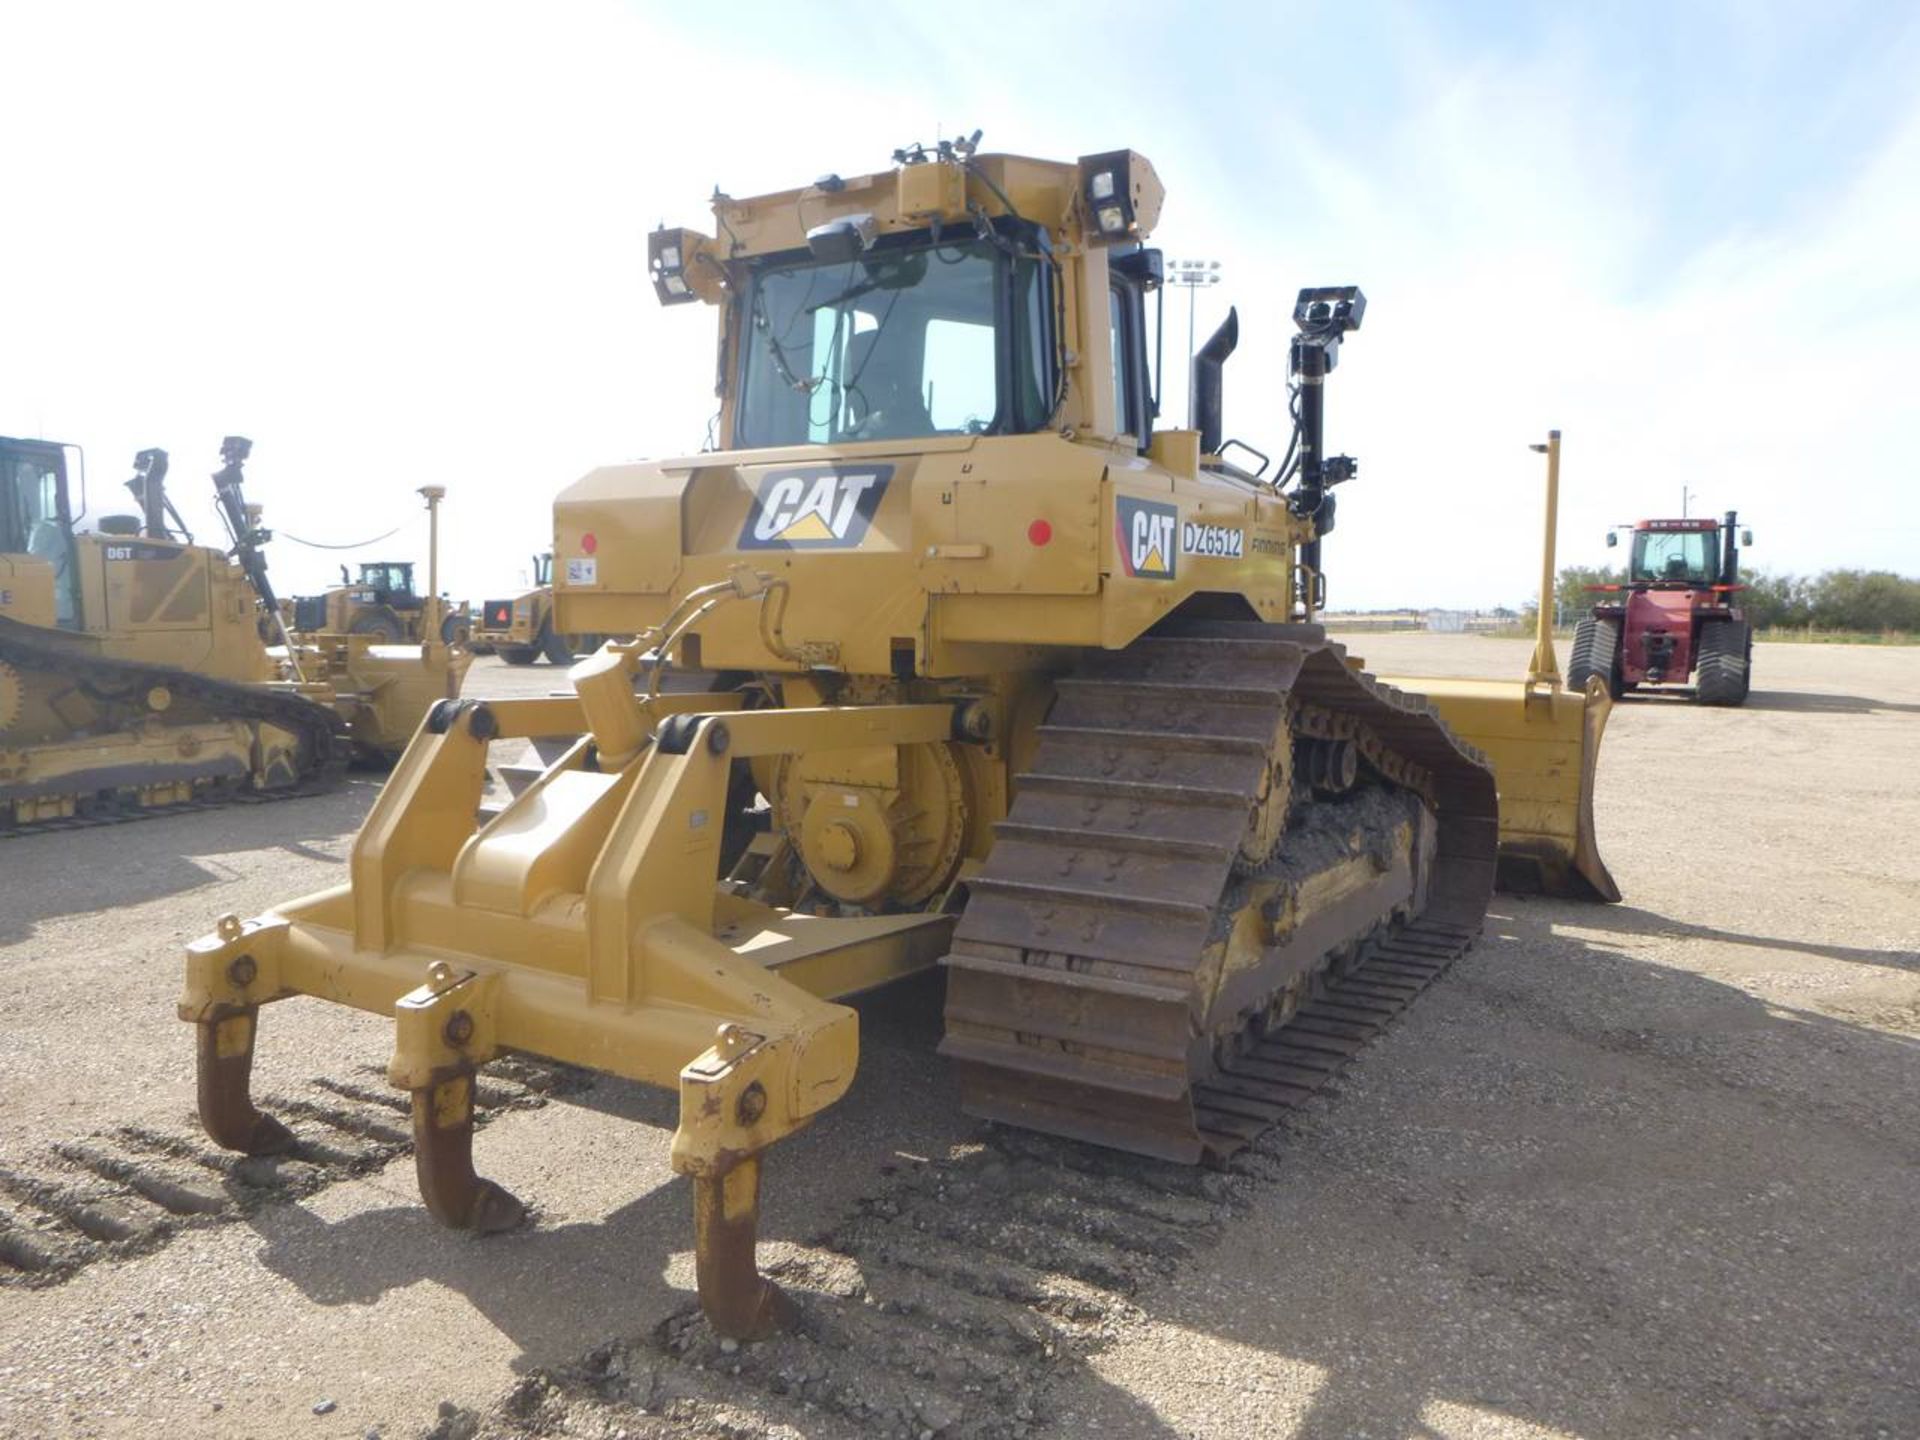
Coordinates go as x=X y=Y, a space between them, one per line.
x=1207 y=367
x=1730 y=551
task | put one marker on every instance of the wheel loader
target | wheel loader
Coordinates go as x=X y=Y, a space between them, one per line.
x=382 y=605
x=383 y=689
x=947 y=657
x=134 y=675
x=521 y=629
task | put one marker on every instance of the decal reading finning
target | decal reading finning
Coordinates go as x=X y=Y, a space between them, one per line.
x=1146 y=533
x=814 y=508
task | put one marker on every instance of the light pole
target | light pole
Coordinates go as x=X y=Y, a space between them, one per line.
x=1194 y=274
x=1685 y=496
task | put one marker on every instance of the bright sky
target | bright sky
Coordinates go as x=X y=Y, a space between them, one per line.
x=403 y=243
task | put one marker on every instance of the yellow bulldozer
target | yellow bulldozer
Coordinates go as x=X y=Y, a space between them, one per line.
x=948 y=657
x=134 y=673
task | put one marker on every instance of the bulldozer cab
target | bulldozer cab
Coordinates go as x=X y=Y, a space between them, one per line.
x=919 y=336
x=39 y=576
x=957 y=295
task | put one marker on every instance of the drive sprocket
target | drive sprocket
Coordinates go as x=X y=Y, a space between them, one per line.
x=13 y=696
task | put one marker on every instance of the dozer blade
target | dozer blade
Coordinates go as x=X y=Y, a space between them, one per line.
x=1544 y=742
x=383 y=691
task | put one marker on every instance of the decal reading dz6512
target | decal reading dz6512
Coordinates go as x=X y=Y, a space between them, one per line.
x=814 y=507
x=1222 y=540
x=1146 y=532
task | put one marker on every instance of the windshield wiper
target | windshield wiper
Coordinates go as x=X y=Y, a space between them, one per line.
x=852 y=293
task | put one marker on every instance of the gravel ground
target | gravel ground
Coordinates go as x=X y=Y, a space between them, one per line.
x=1639 y=1170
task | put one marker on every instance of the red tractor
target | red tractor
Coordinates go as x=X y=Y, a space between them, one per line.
x=1675 y=617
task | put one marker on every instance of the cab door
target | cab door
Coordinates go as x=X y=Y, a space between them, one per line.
x=39 y=573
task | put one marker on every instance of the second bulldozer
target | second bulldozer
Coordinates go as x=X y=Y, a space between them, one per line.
x=134 y=673
x=948 y=657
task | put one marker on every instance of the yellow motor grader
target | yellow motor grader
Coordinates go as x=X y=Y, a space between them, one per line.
x=133 y=670
x=948 y=657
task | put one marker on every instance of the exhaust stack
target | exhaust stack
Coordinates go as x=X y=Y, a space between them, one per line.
x=1208 y=366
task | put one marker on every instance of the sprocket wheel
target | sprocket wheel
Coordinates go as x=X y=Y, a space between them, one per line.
x=13 y=696
x=1267 y=816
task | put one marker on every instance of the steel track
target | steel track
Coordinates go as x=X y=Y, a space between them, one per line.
x=197 y=700
x=1079 y=1002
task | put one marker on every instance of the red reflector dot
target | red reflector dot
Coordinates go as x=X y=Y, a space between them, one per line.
x=588 y=544
x=1039 y=532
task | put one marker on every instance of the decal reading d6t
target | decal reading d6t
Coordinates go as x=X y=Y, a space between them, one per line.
x=1146 y=533
x=815 y=507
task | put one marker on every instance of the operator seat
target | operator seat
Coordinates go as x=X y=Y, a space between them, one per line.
x=894 y=409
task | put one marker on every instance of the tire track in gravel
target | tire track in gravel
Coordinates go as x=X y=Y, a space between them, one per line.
x=129 y=1190
x=942 y=1306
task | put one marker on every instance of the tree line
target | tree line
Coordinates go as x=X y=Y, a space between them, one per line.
x=1869 y=600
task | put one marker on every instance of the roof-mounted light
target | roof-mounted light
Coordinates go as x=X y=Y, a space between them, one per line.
x=672 y=260
x=1121 y=194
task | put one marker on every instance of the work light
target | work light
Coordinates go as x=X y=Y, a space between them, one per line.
x=667 y=253
x=1121 y=194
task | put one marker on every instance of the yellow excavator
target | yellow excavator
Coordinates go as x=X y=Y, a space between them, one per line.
x=949 y=656
x=134 y=674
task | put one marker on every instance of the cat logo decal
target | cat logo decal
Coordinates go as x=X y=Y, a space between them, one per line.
x=815 y=507
x=1146 y=533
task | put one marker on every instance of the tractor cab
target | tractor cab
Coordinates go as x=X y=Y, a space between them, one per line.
x=1670 y=556
x=39 y=573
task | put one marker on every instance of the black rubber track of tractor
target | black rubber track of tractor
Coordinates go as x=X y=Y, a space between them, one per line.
x=1596 y=652
x=1723 y=673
